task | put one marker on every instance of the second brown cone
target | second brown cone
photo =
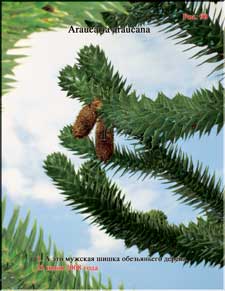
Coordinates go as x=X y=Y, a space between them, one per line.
x=104 y=141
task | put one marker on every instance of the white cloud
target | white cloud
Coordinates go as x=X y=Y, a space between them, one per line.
x=140 y=194
x=16 y=183
x=46 y=192
x=101 y=244
x=21 y=187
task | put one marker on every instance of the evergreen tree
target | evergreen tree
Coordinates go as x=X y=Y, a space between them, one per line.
x=204 y=32
x=156 y=126
x=20 y=19
x=20 y=265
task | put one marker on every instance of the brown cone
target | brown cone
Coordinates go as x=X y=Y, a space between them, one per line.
x=86 y=119
x=104 y=141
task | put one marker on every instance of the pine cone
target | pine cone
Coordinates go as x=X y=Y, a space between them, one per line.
x=104 y=141
x=86 y=119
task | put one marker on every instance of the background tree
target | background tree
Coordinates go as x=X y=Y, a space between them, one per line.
x=156 y=126
x=19 y=260
x=20 y=19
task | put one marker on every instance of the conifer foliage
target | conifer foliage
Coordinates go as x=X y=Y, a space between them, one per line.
x=21 y=18
x=20 y=251
x=204 y=32
x=155 y=125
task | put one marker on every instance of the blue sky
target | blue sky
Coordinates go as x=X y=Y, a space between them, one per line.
x=37 y=109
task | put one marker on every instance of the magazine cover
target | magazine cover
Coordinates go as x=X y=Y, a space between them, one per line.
x=112 y=145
